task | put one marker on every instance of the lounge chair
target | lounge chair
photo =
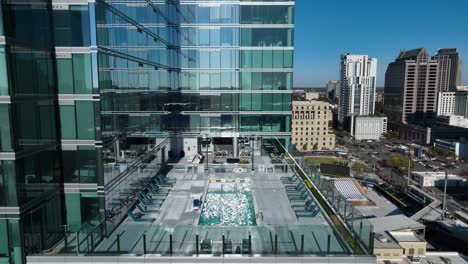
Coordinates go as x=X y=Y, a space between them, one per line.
x=160 y=189
x=298 y=198
x=307 y=204
x=139 y=218
x=312 y=214
x=293 y=186
x=295 y=193
x=308 y=209
x=164 y=180
x=228 y=246
x=245 y=246
x=146 y=211
x=205 y=246
x=290 y=182
x=301 y=189
x=149 y=203
x=291 y=178
x=162 y=184
x=155 y=192
x=304 y=216
x=154 y=197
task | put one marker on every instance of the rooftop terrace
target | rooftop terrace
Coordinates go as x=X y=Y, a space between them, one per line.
x=218 y=210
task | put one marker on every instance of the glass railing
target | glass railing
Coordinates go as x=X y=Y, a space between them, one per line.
x=359 y=231
x=292 y=240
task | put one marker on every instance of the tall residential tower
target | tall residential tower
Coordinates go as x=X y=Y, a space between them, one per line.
x=357 y=86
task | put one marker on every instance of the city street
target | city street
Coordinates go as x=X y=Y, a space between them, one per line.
x=374 y=154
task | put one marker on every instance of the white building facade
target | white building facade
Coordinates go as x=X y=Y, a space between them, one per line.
x=453 y=120
x=433 y=179
x=312 y=96
x=446 y=103
x=357 y=86
x=368 y=127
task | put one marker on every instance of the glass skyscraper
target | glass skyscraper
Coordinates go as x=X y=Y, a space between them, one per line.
x=88 y=87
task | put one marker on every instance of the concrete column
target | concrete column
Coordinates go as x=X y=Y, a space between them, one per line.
x=235 y=147
x=117 y=149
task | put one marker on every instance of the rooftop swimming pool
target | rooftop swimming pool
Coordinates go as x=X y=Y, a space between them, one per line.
x=228 y=204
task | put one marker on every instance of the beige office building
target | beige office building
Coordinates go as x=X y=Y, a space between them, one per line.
x=311 y=126
x=411 y=85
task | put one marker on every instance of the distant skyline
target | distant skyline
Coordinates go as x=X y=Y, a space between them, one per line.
x=380 y=29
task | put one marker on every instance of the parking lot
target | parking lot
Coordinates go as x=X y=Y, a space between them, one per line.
x=377 y=151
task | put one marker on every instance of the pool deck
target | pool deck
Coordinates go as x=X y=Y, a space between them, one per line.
x=272 y=207
x=270 y=199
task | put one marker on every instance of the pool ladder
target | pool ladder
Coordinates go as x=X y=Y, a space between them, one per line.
x=259 y=214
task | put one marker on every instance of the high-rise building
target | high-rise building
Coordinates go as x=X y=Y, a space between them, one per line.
x=461 y=103
x=450 y=69
x=357 y=86
x=411 y=83
x=333 y=89
x=311 y=126
x=90 y=89
x=32 y=208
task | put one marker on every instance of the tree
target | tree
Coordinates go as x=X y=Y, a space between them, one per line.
x=323 y=99
x=343 y=133
x=305 y=146
x=442 y=152
x=315 y=147
x=397 y=160
x=392 y=134
x=379 y=110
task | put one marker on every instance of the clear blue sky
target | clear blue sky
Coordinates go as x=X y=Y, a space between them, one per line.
x=379 y=28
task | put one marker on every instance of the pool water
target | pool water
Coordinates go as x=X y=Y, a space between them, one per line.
x=228 y=204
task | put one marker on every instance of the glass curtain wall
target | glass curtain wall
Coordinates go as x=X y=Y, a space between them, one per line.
x=241 y=80
x=31 y=205
x=79 y=110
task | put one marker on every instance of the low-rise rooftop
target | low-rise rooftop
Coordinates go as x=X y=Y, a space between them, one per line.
x=407 y=236
x=395 y=223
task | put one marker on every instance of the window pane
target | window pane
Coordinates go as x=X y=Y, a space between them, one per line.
x=256 y=81
x=3 y=71
x=278 y=59
x=87 y=164
x=246 y=100
x=65 y=76
x=67 y=121
x=85 y=119
x=267 y=59
x=5 y=129
x=82 y=73
x=257 y=59
x=246 y=59
x=246 y=81
x=256 y=102
x=288 y=58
